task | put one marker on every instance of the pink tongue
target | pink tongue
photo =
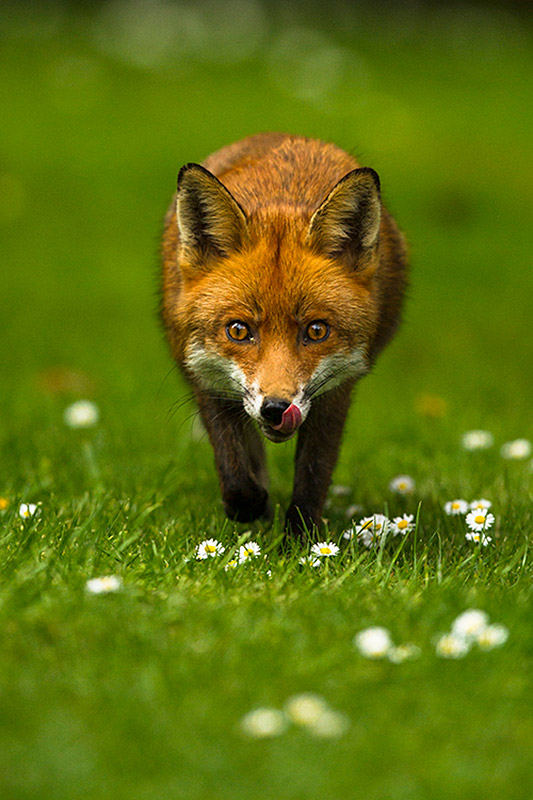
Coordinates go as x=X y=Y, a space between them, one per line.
x=291 y=419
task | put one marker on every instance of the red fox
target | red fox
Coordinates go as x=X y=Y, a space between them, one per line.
x=283 y=278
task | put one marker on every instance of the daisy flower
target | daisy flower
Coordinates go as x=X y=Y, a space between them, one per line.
x=82 y=414
x=480 y=504
x=478 y=537
x=353 y=510
x=310 y=561
x=451 y=646
x=209 y=548
x=373 y=642
x=264 y=723
x=404 y=652
x=27 y=510
x=233 y=564
x=470 y=624
x=305 y=709
x=403 y=524
x=492 y=636
x=248 y=551
x=109 y=583
x=480 y=520
x=330 y=724
x=325 y=549
x=453 y=507
x=402 y=484
x=477 y=440
x=371 y=530
x=341 y=491
x=516 y=450
x=4 y=503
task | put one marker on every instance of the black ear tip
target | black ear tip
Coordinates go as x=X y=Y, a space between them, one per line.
x=373 y=174
x=189 y=168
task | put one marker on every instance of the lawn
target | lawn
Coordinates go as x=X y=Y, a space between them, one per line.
x=141 y=692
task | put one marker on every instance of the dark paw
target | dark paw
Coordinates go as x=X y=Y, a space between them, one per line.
x=300 y=525
x=246 y=505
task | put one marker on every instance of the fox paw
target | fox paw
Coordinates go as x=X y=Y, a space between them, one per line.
x=300 y=525
x=246 y=505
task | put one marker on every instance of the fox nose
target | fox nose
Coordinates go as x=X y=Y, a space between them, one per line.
x=272 y=410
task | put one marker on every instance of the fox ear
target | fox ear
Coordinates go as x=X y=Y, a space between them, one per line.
x=347 y=222
x=210 y=221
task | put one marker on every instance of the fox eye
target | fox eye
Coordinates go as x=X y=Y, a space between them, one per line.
x=238 y=331
x=317 y=331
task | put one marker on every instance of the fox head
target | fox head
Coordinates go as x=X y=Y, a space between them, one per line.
x=278 y=305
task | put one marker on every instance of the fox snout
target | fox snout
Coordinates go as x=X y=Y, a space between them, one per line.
x=278 y=418
x=281 y=416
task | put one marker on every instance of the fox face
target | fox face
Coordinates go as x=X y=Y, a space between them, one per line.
x=277 y=307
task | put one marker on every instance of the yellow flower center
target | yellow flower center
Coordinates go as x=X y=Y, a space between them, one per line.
x=479 y=519
x=402 y=485
x=325 y=551
x=402 y=524
x=209 y=548
x=248 y=553
x=456 y=505
x=4 y=502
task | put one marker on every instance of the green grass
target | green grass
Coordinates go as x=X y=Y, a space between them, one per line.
x=139 y=694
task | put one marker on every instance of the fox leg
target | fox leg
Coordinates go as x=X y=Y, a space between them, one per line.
x=316 y=455
x=239 y=459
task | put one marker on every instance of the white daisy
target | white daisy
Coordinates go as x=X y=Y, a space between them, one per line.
x=477 y=440
x=373 y=642
x=264 y=723
x=402 y=525
x=479 y=504
x=233 y=564
x=305 y=709
x=324 y=549
x=516 y=450
x=27 y=510
x=470 y=623
x=492 y=636
x=82 y=414
x=310 y=561
x=451 y=646
x=341 y=491
x=456 y=507
x=480 y=520
x=402 y=484
x=372 y=530
x=109 y=583
x=478 y=537
x=209 y=548
x=330 y=725
x=348 y=533
x=353 y=510
x=248 y=551
x=404 y=652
